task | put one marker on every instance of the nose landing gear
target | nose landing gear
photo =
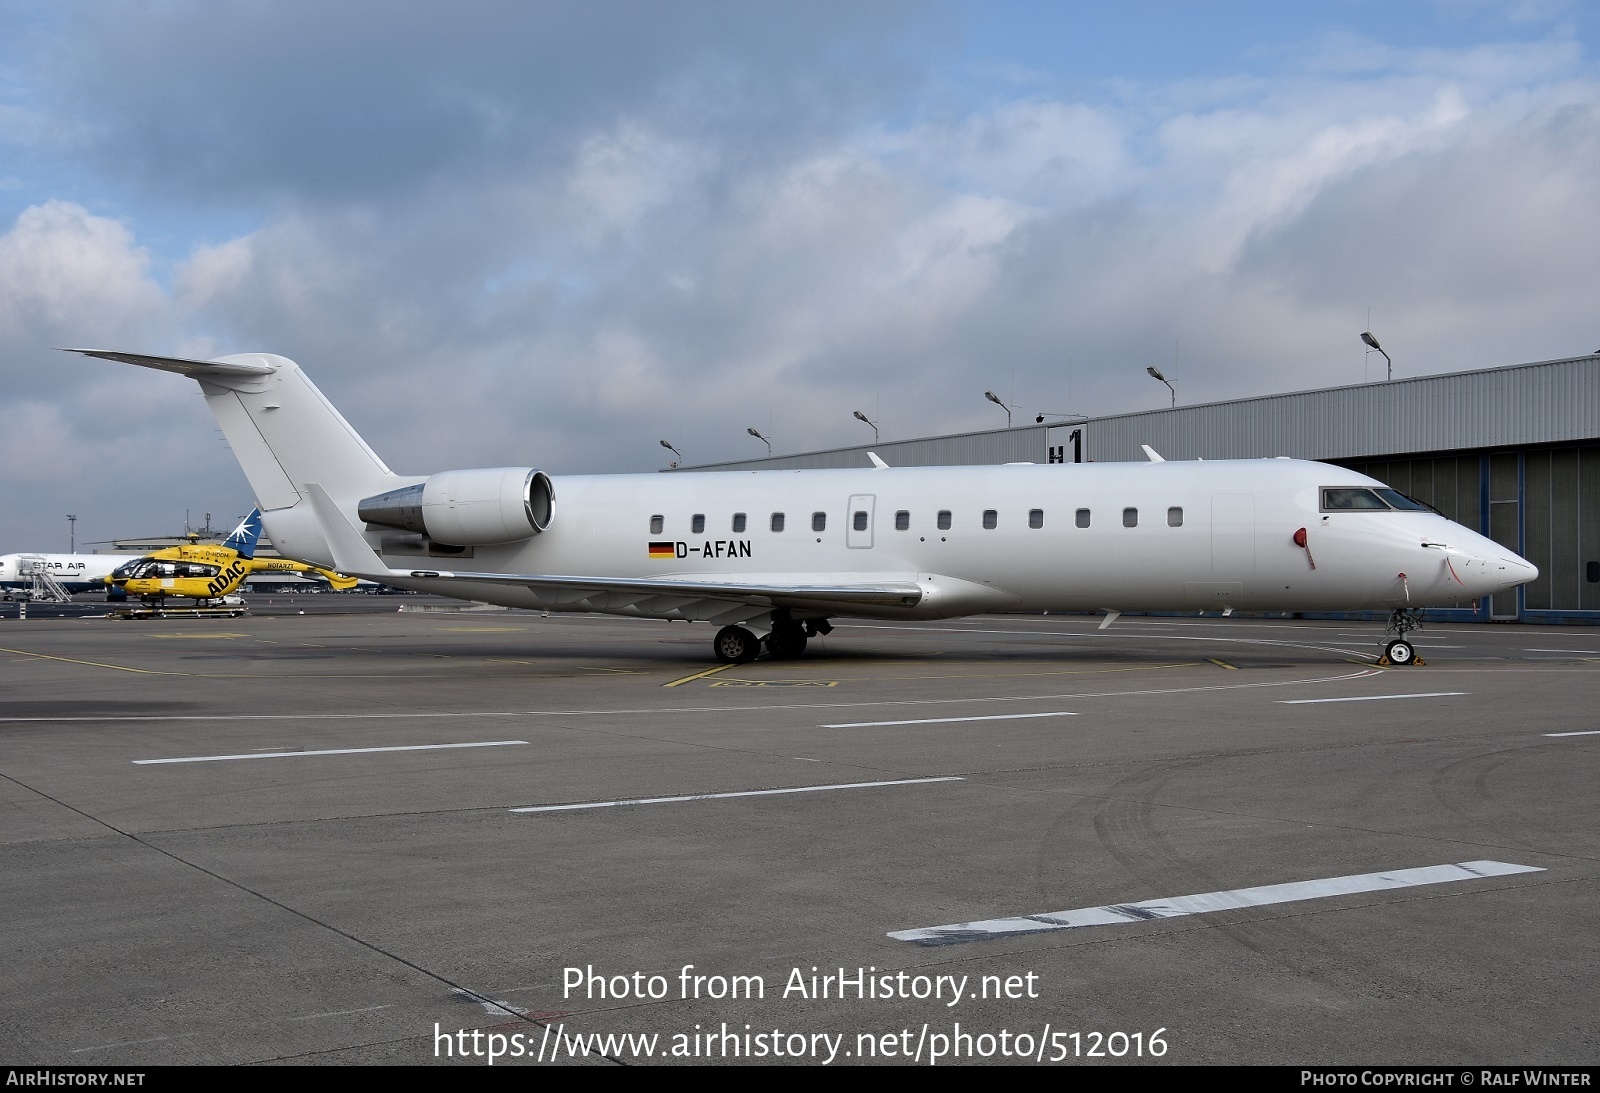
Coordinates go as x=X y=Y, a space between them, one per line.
x=1399 y=652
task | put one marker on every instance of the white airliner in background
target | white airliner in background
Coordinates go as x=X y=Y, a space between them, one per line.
x=770 y=556
x=73 y=572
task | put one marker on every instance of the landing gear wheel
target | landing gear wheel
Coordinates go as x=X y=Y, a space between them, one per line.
x=736 y=645
x=786 y=642
x=1399 y=653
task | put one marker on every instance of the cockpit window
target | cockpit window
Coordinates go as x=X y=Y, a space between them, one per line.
x=1404 y=503
x=1343 y=499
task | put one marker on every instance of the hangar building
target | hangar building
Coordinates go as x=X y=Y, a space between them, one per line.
x=1512 y=452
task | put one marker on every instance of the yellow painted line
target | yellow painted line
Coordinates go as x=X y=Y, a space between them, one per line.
x=698 y=675
x=774 y=683
x=91 y=663
x=1223 y=664
x=174 y=637
x=1030 y=675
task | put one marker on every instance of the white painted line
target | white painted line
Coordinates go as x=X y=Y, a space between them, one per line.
x=1586 y=732
x=1200 y=904
x=944 y=720
x=723 y=796
x=1585 y=652
x=1367 y=698
x=327 y=751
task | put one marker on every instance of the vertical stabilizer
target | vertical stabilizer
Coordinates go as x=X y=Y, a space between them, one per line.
x=246 y=535
x=282 y=430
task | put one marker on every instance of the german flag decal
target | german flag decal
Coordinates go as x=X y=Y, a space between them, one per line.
x=663 y=550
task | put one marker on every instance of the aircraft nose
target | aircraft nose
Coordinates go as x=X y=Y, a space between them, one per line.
x=1501 y=571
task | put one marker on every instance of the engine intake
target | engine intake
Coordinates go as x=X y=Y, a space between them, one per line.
x=469 y=508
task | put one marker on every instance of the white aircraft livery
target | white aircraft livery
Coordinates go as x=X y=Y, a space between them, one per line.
x=73 y=572
x=768 y=557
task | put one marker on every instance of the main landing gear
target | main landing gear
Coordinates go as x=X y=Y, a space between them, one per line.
x=1399 y=652
x=787 y=640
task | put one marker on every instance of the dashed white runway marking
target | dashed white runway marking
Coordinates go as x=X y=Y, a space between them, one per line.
x=1366 y=698
x=944 y=720
x=1178 y=906
x=325 y=751
x=742 y=793
x=1585 y=732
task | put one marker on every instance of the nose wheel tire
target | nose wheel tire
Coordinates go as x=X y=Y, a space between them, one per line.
x=736 y=645
x=1400 y=653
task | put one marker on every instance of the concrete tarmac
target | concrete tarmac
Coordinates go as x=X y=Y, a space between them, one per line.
x=294 y=838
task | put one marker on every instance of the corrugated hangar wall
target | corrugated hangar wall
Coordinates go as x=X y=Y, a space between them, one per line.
x=1511 y=452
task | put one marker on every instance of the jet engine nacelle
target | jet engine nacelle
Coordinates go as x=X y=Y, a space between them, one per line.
x=469 y=508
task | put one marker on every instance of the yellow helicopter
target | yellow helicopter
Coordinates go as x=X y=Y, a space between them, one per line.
x=207 y=573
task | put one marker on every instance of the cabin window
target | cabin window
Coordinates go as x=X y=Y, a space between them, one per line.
x=738 y=523
x=1175 y=517
x=656 y=524
x=902 y=520
x=777 y=521
x=697 y=524
x=990 y=518
x=1130 y=518
x=1339 y=500
x=1591 y=572
x=1081 y=518
x=859 y=521
x=819 y=521
x=1036 y=518
x=944 y=519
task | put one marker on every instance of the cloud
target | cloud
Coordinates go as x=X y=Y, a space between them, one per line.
x=534 y=239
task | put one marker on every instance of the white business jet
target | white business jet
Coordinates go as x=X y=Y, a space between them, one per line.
x=770 y=556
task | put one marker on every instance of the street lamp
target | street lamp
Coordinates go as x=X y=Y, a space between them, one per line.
x=1155 y=373
x=1372 y=343
x=761 y=438
x=72 y=534
x=674 y=451
x=994 y=398
x=863 y=417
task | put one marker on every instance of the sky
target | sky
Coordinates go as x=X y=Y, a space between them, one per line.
x=554 y=234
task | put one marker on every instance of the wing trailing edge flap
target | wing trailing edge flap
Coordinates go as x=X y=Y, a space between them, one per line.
x=701 y=600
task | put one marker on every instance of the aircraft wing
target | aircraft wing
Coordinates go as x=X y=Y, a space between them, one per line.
x=697 y=598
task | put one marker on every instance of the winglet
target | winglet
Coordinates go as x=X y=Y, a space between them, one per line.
x=351 y=554
x=1111 y=617
x=876 y=462
x=1151 y=454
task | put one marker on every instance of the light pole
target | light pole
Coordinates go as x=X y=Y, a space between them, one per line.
x=1155 y=373
x=72 y=534
x=761 y=438
x=994 y=398
x=863 y=417
x=1372 y=343
x=674 y=451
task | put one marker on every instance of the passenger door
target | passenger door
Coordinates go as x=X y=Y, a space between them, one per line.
x=858 y=517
